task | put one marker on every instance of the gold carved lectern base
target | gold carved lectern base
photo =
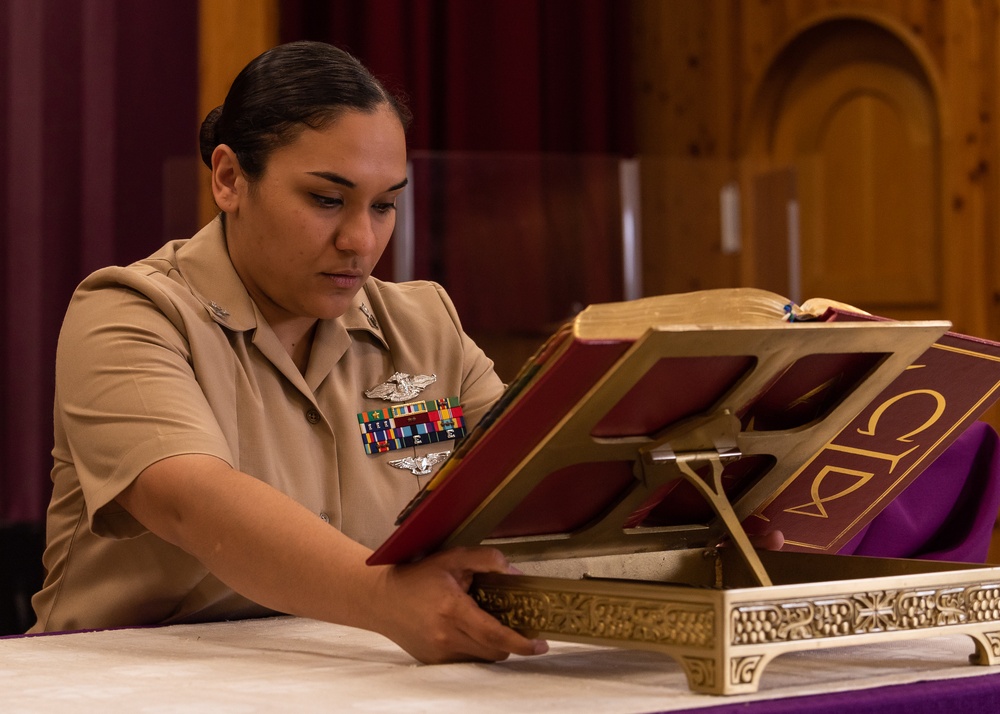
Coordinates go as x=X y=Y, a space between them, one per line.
x=702 y=607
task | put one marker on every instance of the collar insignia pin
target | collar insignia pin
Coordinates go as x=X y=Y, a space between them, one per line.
x=401 y=387
x=420 y=465
x=219 y=310
x=371 y=318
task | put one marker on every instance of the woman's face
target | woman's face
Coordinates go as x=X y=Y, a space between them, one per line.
x=306 y=235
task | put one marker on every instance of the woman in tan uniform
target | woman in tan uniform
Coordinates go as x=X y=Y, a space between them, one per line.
x=208 y=462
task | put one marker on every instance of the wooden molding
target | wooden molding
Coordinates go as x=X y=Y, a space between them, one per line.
x=231 y=33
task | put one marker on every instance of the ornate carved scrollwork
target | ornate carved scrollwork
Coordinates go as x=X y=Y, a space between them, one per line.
x=865 y=612
x=742 y=670
x=615 y=618
x=700 y=671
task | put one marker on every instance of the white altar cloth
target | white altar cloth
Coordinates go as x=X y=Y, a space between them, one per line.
x=292 y=664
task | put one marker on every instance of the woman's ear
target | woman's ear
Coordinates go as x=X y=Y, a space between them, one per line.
x=228 y=183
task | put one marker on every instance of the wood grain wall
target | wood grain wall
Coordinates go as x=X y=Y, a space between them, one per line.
x=702 y=71
x=230 y=34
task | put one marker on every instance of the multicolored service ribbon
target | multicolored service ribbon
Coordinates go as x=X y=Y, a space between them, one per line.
x=404 y=425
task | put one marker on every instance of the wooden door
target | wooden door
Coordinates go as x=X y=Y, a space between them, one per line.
x=850 y=111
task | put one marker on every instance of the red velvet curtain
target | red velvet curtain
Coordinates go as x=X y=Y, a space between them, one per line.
x=97 y=158
x=491 y=75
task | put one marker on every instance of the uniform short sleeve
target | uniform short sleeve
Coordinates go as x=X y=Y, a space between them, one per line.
x=126 y=393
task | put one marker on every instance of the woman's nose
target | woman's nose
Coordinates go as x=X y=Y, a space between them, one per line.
x=356 y=233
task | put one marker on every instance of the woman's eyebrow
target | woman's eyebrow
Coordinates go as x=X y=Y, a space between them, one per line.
x=333 y=178
x=338 y=179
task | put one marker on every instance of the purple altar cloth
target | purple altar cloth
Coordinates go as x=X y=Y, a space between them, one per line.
x=967 y=695
x=948 y=512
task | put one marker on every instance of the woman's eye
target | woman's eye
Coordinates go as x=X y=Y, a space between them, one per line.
x=326 y=201
x=384 y=207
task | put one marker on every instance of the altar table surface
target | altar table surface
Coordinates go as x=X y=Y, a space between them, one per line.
x=293 y=664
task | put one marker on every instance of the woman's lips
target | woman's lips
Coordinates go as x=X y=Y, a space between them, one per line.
x=343 y=280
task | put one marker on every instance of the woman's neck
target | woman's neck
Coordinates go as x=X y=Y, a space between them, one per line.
x=296 y=336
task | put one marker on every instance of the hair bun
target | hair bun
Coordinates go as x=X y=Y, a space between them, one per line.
x=208 y=137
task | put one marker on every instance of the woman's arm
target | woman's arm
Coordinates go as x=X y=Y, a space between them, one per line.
x=275 y=552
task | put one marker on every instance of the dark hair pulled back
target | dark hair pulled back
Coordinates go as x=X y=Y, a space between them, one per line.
x=291 y=86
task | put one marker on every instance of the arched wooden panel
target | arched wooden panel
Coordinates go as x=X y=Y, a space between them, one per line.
x=851 y=111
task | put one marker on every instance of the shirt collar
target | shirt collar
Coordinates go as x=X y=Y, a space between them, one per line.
x=204 y=264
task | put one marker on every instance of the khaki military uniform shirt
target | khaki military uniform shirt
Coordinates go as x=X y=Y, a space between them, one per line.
x=171 y=356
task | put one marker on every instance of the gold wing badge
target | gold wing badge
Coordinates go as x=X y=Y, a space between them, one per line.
x=420 y=465
x=401 y=387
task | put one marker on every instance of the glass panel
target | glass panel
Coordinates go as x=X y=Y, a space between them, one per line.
x=522 y=241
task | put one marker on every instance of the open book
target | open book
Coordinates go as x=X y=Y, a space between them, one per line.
x=807 y=419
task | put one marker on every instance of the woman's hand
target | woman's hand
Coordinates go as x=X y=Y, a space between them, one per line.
x=280 y=555
x=773 y=540
x=426 y=609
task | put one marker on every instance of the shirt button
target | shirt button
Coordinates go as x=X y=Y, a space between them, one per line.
x=312 y=416
x=326 y=518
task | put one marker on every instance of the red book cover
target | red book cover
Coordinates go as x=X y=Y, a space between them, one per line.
x=674 y=388
x=499 y=448
x=845 y=485
x=551 y=383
